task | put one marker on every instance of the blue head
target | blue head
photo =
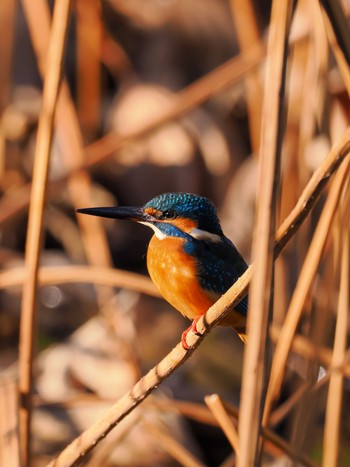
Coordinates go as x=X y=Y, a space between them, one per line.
x=185 y=209
x=170 y=214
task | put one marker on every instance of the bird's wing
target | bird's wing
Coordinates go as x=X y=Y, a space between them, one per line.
x=219 y=265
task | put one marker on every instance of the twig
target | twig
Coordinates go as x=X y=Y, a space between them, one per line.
x=338 y=32
x=173 y=447
x=89 y=41
x=340 y=25
x=217 y=407
x=247 y=31
x=6 y=48
x=82 y=274
x=33 y=243
x=79 y=447
x=260 y=299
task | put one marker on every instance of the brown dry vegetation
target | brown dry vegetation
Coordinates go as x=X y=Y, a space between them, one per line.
x=114 y=102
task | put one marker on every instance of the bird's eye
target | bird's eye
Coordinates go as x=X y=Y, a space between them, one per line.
x=169 y=214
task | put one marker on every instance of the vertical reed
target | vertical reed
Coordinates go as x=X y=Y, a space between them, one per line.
x=264 y=233
x=37 y=204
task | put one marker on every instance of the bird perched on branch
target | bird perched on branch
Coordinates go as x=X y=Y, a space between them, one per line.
x=189 y=259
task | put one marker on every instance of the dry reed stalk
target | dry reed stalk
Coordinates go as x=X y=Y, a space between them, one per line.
x=83 y=444
x=321 y=50
x=335 y=392
x=82 y=274
x=9 y=436
x=254 y=360
x=247 y=31
x=342 y=64
x=217 y=408
x=7 y=14
x=89 y=42
x=33 y=242
x=316 y=66
x=67 y=126
x=114 y=56
x=305 y=279
x=173 y=447
x=338 y=32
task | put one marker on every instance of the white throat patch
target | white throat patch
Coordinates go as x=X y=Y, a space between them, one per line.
x=204 y=235
x=159 y=234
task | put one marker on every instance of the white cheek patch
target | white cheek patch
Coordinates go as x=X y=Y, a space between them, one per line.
x=159 y=234
x=199 y=234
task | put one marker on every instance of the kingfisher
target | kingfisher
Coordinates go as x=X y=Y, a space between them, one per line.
x=189 y=259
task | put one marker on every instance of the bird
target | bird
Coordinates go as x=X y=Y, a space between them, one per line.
x=189 y=259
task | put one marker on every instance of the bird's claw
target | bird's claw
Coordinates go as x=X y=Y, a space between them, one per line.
x=192 y=328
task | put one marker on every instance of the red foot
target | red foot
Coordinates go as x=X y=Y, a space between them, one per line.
x=193 y=328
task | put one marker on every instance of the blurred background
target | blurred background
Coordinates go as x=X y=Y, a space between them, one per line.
x=156 y=96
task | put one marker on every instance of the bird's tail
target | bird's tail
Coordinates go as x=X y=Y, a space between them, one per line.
x=238 y=322
x=243 y=336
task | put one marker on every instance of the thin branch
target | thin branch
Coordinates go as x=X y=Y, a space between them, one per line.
x=82 y=274
x=342 y=62
x=340 y=25
x=260 y=298
x=89 y=43
x=79 y=448
x=33 y=243
x=217 y=407
x=247 y=31
x=173 y=447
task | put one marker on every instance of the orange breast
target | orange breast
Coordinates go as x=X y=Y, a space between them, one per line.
x=174 y=274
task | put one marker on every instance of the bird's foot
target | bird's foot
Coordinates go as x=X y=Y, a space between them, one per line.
x=192 y=328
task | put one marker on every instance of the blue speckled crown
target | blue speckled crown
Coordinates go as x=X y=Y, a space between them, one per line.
x=191 y=206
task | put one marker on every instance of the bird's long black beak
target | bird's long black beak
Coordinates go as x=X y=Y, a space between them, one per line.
x=122 y=212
